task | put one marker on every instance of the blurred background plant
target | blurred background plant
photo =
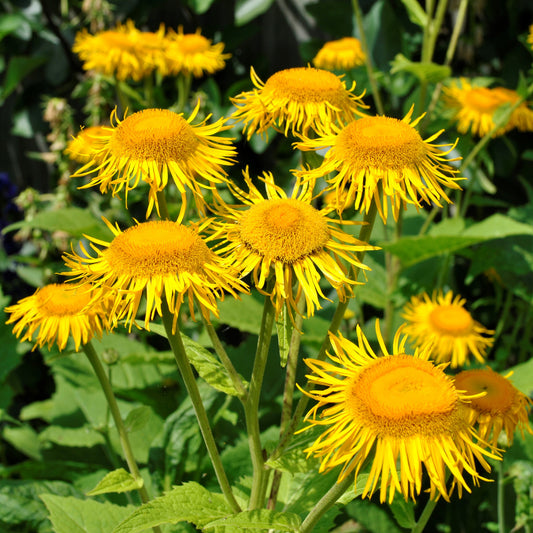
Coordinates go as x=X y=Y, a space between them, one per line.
x=56 y=435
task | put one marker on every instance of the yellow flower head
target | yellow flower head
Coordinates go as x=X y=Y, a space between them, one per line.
x=296 y=100
x=475 y=108
x=288 y=238
x=192 y=53
x=152 y=145
x=377 y=158
x=160 y=260
x=530 y=36
x=503 y=407
x=399 y=412
x=124 y=52
x=56 y=312
x=88 y=141
x=342 y=54
x=443 y=325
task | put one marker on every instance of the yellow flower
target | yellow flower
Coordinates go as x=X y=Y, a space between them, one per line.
x=377 y=158
x=88 y=141
x=475 y=108
x=288 y=238
x=342 y=54
x=192 y=53
x=56 y=312
x=503 y=407
x=399 y=412
x=161 y=260
x=530 y=36
x=124 y=52
x=296 y=100
x=442 y=324
x=152 y=145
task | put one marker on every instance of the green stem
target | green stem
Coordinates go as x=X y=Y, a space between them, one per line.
x=184 y=88
x=436 y=25
x=176 y=343
x=368 y=61
x=101 y=374
x=430 y=5
x=325 y=503
x=251 y=406
x=162 y=205
x=501 y=498
x=225 y=360
x=424 y=517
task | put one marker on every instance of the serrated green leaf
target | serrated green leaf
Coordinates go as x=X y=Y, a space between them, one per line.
x=137 y=418
x=426 y=71
x=116 y=481
x=73 y=515
x=404 y=512
x=415 y=12
x=259 y=519
x=284 y=328
x=189 y=502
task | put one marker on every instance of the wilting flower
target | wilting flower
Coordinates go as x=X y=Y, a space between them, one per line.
x=155 y=144
x=380 y=158
x=441 y=323
x=57 y=312
x=192 y=53
x=288 y=238
x=398 y=412
x=502 y=407
x=88 y=141
x=124 y=52
x=342 y=54
x=163 y=261
x=475 y=108
x=296 y=100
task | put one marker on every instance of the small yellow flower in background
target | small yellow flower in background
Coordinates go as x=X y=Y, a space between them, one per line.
x=124 y=52
x=503 y=407
x=155 y=144
x=381 y=158
x=342 y=54
x=56 y=312
x=296 y=100
x=530 y=36
x=160 y=260
x=192 y=53
x=475 y=108
x=442 y=324
x=288 y=238
x=88 y=141
x=399 y=412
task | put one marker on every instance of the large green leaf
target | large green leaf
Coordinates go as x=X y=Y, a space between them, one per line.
x=244 y=314
x=83 y=437
x=263 y=519
x=116 y=481
x=522 y=377
x=73 y=515
x=189 y=502
x=247 y=10
x=416 y=13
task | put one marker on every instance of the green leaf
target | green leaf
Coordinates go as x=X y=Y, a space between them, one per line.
x=522 y=377
x=116 y=481
x=72 y=515
x=84 y=437
x=247 y=10
x=24 y=439
x=415 y=12
x=259 y=519
x=427 y=71
x=404 y=512
x=284 y=328
x=14 y=23
x=17 y=69
x=244 y=314
x=200 y=6
x=189 y=502
x=137 y=418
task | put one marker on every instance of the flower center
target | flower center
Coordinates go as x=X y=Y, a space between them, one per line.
x=401 y=395
x=451 y=320
x=500 y=393
x=194 y=44
x=157 y=248
x=284 y=229
x=381 y=143
x=485 y=100
x=305 y=85
x=62 y=300
x=155 y=135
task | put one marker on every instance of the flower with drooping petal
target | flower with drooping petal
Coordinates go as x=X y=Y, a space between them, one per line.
x=442 y=323
x=287 y=238
x=341 y=54
x=377 y=159
x=298 y=100
x=59 y=311
x=85 y=144
x=163 y=261
x=157 y=144
x=501 y=407
x=399 y=413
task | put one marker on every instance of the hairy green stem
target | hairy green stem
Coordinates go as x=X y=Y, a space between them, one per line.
x=251 y=406
x=424 y=517
x=184 y=366
x=183 y=83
